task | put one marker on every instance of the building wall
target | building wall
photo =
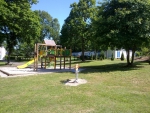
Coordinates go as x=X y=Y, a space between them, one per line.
x=2 y=53
x=116 y=53
x=108 y=53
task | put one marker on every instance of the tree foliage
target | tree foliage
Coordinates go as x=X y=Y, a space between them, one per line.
x=124 y=24
x=77 y=24
x=49 y=26
x=17 y=23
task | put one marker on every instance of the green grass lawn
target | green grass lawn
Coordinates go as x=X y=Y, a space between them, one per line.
x=2 y=63
x=111 y=88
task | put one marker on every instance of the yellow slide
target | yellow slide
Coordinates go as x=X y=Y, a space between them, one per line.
x=26 y=64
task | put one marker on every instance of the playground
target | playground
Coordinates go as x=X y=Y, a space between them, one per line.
x=49 y=55
x=48 y=58
x=12 y=70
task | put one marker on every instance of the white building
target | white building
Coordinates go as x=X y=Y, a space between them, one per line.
x=2 y=53
x=116 y=53
x=86 y=53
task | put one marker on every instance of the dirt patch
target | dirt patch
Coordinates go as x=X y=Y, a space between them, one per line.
x=145 y=58
x=74 y=82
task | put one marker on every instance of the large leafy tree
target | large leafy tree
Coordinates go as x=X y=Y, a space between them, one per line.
x=124 y=24
x=18 y=23
x=49 y=27
x=68 y=35
x=77 y=24
x=94 y=40
x=56 y=30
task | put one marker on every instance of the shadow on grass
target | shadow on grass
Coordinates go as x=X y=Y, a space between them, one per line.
x=64 y=81
x=78 y=62
x=110 y=67
x=113 y=67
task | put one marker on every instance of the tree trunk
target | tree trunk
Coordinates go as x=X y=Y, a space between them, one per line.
x=8 y=58
x=8 y=50
x=95 y=52
x=128 y=57
x=132 y=59
x=130 y=63
x=9 y=47
x=83 y=49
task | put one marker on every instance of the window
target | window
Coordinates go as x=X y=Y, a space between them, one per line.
x=118 y=54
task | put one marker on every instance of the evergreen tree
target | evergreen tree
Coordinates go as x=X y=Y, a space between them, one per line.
x=122 y=56
x=112 y=57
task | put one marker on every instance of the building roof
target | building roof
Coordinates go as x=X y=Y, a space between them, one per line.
x=50 y=42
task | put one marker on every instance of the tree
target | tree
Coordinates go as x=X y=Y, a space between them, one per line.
x=18 y=23
x=122 y=56
x=112 y=56
x=78 y=22
x=50 y=27
x=56 y=30
x=68 y=35
x=94 y=41
x=124 y=24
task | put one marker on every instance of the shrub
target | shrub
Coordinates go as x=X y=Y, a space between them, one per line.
x=86 y=57
x=122 y=56
x=91 y=57
x=112 y=57
x=137 y=53
x=101 y=56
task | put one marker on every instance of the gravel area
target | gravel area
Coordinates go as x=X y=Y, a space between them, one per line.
x=14 y=72
x=73 y=82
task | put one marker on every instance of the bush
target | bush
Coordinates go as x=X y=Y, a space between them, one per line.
x=137 y=54
x=112 y=57
x=85 y=57
x=122 y=56
x=91 y=57
x=101 y=56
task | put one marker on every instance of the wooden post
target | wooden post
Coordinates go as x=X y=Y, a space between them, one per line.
x=34 y=57
x=70 y=59
x=70 y=62
x=45 y=62
x=64 y=61
x=55 y=62
x=41 y=62
x=37 y=54
x=60 y=62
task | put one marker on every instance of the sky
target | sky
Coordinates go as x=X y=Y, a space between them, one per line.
x=59 y=9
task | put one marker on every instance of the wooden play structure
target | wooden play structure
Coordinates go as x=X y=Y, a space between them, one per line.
x=49 y=54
